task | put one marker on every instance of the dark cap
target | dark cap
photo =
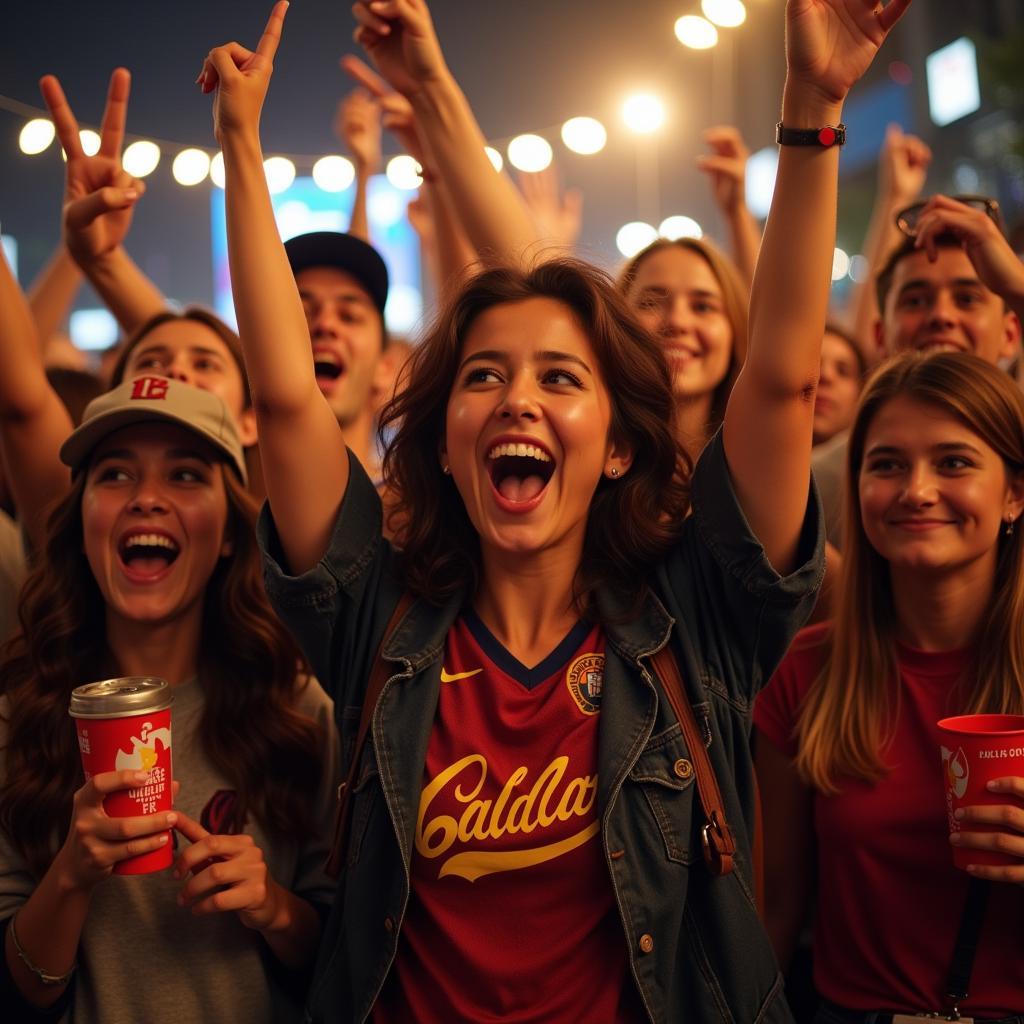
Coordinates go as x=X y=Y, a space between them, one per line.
x=347 y=253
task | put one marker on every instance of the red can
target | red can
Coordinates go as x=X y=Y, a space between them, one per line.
x=125 y=724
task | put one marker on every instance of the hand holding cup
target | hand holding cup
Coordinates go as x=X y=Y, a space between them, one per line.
x=96 y=842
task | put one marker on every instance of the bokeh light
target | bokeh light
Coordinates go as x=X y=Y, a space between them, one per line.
x=36 y=136
x=497 y=161
x=726 y=13
x=334 y=173
x=530 y=153
x=633 y=237
x=190 y=167
x=695 y=32
x=404 y=172
x=584 y=135
x=680 y=226
x=643 y=113
x=280 y=172
x=141 y=158
x=840 y=264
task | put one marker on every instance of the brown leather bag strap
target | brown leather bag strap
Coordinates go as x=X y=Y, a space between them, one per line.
x=719 y=842
x=379 y=675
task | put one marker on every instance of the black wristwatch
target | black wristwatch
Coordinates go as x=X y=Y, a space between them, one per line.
x=830 y=135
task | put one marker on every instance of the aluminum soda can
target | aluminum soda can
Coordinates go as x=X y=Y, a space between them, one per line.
x=125 y=724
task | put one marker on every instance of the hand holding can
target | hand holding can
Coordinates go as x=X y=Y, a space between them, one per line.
x=124 y=730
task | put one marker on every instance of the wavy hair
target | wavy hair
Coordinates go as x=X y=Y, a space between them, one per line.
x=735 y=303
x=851 y=709
x=248 y=665
x=631 y=522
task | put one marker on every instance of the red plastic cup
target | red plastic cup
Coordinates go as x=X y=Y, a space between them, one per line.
x=976 y=750
x=125 y=724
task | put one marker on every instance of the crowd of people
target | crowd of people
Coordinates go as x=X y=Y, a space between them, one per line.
x=501 y=708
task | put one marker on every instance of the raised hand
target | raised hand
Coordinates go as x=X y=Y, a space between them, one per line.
x=96 y=842
x=228 y=872
x=399 y=36
x=902 y=167
x=998 y=266
x=99 y=195
x=241 y=77
x=358 y=125
x=1008 y=821
x=557 y=215
x=726 y=167
x=397 y=113
x=831 y=43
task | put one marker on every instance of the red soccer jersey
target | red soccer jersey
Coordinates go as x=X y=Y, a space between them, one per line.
x=512 y=915
x=889 y=897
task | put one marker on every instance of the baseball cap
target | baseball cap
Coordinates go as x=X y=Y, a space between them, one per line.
x=347 y=253
x=146 y=399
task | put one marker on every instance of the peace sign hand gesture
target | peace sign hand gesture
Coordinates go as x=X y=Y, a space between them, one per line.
x=831 y=43
x=241 y=78
x=99 y=195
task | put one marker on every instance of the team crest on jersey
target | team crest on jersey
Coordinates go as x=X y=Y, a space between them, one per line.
x=584 y=679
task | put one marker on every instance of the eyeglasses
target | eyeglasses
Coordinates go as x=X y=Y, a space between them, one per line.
x=907 y=218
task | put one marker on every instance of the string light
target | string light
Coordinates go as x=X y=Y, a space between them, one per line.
x=36 y=136
x=530 y=153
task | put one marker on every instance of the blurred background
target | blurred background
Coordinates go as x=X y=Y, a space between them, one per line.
x=951 y=73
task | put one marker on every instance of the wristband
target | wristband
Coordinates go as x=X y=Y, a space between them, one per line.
x=45 y=978
x=830 y=135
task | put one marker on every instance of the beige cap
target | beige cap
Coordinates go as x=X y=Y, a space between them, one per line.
x=146 y=399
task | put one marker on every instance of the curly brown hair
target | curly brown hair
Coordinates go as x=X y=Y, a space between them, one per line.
x=248 y=664
x=632 y=521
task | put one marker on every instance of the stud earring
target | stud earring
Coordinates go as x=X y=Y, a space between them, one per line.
x=446 y=470
x=613 y=472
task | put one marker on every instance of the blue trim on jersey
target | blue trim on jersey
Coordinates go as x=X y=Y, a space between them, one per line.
x=511 y=665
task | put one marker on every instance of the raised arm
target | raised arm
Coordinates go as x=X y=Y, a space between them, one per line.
x=726 y=167
x=902 y=170
x=99 y=200
x=399 y=37
x=358 y=126
x=305 y=464
x=448 y=252
x=768 y=423
x=33 y=420
x=53 y=292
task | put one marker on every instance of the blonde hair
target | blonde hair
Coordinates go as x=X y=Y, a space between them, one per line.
x=735 y=302
x=851 y=709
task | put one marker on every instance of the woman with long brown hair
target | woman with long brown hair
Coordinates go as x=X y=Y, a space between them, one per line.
x=929 y=623
x=524 y=836
x=692 y=298
x=150 y=567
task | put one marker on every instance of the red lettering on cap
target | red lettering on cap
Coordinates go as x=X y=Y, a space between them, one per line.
x=150 y=388
x=827 y=136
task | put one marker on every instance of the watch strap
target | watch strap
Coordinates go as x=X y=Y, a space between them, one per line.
x=829 y=135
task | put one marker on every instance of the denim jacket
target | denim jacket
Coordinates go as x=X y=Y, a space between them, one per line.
x=697 y=950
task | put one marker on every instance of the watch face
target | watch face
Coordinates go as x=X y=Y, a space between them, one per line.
x=827 y=136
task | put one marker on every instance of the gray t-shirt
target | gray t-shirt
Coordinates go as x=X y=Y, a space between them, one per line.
x=828 y=463
x=142 y=959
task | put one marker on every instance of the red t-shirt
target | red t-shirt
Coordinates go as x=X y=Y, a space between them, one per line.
x=512 y=916
x=889 y=898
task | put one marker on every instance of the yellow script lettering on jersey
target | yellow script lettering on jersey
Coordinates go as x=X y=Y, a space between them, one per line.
x=549 y=799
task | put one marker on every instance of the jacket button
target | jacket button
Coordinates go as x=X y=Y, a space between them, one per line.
x=646 y=943
x=683 y=768
x=389 y=924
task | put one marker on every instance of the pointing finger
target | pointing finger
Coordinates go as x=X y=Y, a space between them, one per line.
x=361 y=72
x=271 y=37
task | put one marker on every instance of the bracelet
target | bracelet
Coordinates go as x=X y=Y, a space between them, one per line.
x=44 y=977
x=830 y=135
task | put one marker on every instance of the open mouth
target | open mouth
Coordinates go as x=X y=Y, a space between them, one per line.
x=519 y=472
x=147 y=554
x=327 y=366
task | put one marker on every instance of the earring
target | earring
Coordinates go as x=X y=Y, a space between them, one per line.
x=613 y=472
x=446 y=470
x=1009 y=527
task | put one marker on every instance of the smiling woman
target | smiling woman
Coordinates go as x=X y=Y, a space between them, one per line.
x=929 y=623
x=150 y=567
